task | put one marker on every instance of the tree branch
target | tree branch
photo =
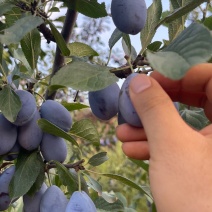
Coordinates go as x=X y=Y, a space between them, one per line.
x=68 y=26
x=77 y=165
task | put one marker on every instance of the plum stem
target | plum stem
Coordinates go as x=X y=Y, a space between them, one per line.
x=79 y=180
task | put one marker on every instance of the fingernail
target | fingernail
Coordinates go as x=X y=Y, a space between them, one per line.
x=140 y=83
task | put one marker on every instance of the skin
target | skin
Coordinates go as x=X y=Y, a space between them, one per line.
x=180 y=157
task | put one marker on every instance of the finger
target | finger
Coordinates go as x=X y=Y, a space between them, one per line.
x=125 y=133
x=159 y=117
x=136 y=149
x=207 y=131
x=193 y=89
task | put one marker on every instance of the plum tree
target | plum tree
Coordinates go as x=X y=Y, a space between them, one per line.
x=70 y=64
x=13 y=153
x=28 y=107
x=8 y=134
x=56 y=114
x=30 y=134
x=53 y=148
x=53 y=200
x=32 y=203
x=5 y=179
x=104 y=103
x=80 y=201
x=129 y=16
x=125 y=105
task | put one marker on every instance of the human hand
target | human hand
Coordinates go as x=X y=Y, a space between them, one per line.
x=180 y=158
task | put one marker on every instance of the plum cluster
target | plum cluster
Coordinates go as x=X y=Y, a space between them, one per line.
x=46 y=198
x=106 y=103
x=53 y=199
x=129 y=16
x=25 y=133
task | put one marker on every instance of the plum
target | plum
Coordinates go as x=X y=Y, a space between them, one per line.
x=32 y=203
x=126 y=107
x=28 y=107
x=104 y=103
x=129 y=16
x=53 y=148
x=57 y=114
x=5 y=179
x=121 y=120
x=127 y=112
x=13 y=153
x=30 y=134
x=53 y=200
x=80 y=201
x=8 y=133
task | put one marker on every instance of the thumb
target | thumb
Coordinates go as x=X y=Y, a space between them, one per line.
x=162 y=122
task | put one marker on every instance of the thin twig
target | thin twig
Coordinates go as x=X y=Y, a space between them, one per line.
x=75 y=165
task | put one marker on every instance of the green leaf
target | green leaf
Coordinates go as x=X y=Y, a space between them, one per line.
x=122 y=198
x=40 y=179
x=59 y=39
x=177 y=25
x=130 y=210
x=50 y=128
x=69 y=178
x=90 y=8
x=116 y=35
x=1 y=52
x=155 y=46
x=98 y=159
x=111 y=198
x=81 y=50
x=84 y=129
x=94 y=184
x=129 y=50
x=10 y=103
x=12 y=16
x=195 y=118
x=54 y=9
x=191 y=47
x=19 y=55
x=84 y=76
x=74 y=106
x=22 y=26
x=141 y=164
x=128 y=183
x=84 y=185
x=208 y=22
x=31 y=47
x=66 y=177
x=153 y=17
x=27 y=170
x=5 y=7
x=4 y=68
x=104 y=205
x=183 y=9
